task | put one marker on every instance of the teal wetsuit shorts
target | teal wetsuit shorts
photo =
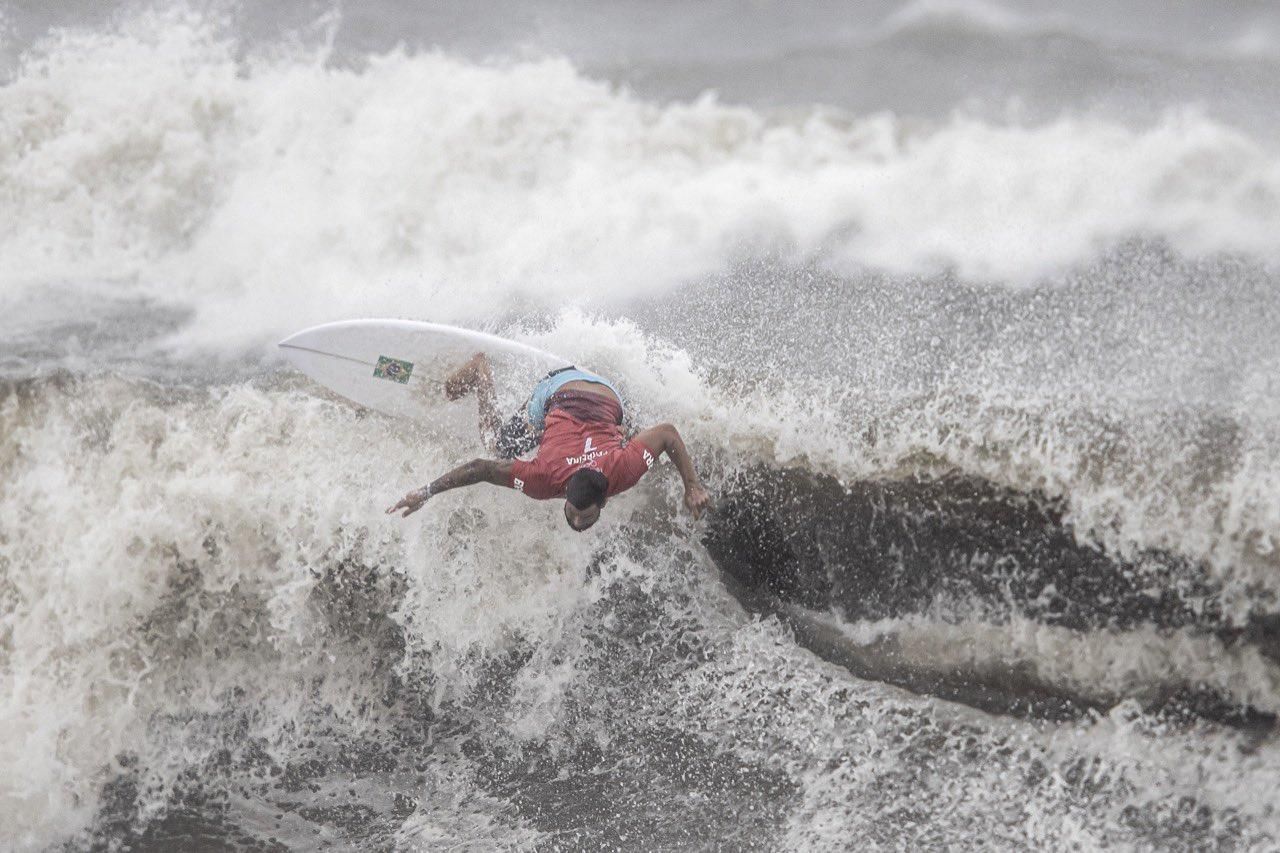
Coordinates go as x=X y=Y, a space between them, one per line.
x=553 y=382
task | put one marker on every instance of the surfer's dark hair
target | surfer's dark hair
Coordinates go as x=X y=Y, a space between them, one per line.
x=586 y=488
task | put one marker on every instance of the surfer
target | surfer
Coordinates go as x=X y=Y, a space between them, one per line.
x=574 y=418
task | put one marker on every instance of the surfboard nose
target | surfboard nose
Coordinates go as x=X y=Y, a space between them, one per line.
x=300 y=339
x=309 y=337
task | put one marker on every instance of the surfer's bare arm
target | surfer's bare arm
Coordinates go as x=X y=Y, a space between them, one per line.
x=665 y=438
x=496 y=471
x=477 y=375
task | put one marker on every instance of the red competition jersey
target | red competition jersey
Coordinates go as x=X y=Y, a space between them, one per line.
x=569 y=444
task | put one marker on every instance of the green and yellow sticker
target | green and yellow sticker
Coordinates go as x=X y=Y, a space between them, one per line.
x=393 y=369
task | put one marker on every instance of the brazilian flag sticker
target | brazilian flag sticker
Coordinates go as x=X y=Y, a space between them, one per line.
x=393 y=369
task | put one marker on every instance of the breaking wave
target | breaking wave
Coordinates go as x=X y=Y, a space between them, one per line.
x=988 y=409
x=261 y=190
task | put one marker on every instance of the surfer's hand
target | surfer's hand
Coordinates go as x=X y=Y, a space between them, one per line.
x=411 y=502
x=698 y=500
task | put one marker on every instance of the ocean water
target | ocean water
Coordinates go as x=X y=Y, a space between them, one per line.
x=968 y=311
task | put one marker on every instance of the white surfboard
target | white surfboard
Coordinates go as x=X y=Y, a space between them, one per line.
x=398 y=367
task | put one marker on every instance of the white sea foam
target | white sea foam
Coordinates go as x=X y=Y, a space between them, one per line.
x=113 y=658
x=147 y=573
x=272 y=193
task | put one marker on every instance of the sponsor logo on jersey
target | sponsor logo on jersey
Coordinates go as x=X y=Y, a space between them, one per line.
x=648 y=458
x=518 y=484
x=584 y=458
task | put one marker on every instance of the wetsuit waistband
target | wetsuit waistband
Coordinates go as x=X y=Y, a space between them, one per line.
x=586 y=407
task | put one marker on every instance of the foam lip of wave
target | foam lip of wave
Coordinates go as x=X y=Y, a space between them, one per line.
x=982 y=18
x=976 y=14
x=1098 y=669
x=1258 y=42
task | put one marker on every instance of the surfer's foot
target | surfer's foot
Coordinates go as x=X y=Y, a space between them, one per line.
x=465 y=379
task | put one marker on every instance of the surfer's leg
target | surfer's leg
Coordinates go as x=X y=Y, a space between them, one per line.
x=477 y=375
x=468 y=377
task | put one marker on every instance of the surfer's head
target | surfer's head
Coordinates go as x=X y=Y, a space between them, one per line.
x=584 y=496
